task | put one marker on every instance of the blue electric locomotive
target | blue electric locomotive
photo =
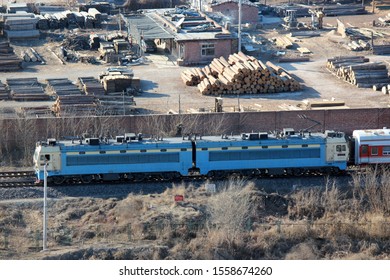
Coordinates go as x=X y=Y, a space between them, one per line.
x=134 y=158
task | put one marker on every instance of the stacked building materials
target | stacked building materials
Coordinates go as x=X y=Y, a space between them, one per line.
x=119 y=79
x=8 y=60
x=240 y=74
x=13 y=8
x=41 y=111
x=3 y=92
x=91 y=86
x=381 y=49
x=97 y=16
x=21 y=27
x=74 y=105
x=359 y=71
x=115 y=104
x=61 y=87
x=26 y=89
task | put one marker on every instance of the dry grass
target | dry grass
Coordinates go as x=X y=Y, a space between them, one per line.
x=233 y=223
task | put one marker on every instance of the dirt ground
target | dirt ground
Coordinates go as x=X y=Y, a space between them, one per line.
x=163 y=89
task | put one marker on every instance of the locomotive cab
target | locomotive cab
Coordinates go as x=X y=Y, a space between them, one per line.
x=336 y=147
x=46 y=153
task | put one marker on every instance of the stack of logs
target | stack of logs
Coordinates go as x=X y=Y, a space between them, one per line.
x=74 y=105
x=357 y=70
x=239 y=74
x=3 y=92
x=26 y=89
x=8 y=60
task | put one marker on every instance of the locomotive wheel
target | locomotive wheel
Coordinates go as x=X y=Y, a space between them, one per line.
x=86 y=179
x=58 y=180
x=167 y=176
x=139 y=177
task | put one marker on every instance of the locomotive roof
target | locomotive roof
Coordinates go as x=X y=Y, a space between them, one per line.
x=69 y=144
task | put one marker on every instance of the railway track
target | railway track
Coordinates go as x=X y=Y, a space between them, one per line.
x=14 y=179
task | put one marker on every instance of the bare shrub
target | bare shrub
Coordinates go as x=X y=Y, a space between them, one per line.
x=229 y=211
x=303 y=251
x=306 y=204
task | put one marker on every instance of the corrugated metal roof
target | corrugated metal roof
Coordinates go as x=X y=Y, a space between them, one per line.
x=150 y=27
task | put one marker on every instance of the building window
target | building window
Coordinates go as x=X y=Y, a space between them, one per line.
x=208 y=49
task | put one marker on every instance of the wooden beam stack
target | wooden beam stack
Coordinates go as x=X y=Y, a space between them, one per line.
x=4 y=95
x=357 y=70
x=74 y=105
x=8 y=60
x=240 y=74
x=26 y=89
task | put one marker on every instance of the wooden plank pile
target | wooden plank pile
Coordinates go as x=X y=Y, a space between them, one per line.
x=8 y=59
x=239 y=74
x=22 y=27
x=381 y=49
x=41 y=111
x=74 y=105
x=115 y=104
x=119 y=79
x=26 y=89
x=91 y=86
x=3 y=92
x=61 y=87
x=357 y=70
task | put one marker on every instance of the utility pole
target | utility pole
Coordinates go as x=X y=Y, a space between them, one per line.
x=44 y=207
x=239 y=24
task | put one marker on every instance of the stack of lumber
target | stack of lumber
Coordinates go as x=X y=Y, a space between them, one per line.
x=61 y=87
x=22 y=27
x=240 y=74
x=26 y=89
x=381 y=49
x=283 y=42
x=357 y=70
x=3 y=92
x=74 y=105
x=119 y=79
x=91 y=86
x=343 y=10
x=115 y=104
x=8 y=60
x=42 y=111
x=97 y=16
x=30 y=55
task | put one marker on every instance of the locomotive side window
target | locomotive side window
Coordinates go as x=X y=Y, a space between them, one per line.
x=374 y=151
x=386 y=150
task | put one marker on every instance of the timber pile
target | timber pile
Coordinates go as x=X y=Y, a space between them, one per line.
x=3 y=92
x=91 y=86
x=115 y=104
x=21 y=27
x=42 y=111
x=74 y=105
x=239 y=74
x=357 y=70
x=381 y=49
x=283 y=42
x=26 y=89
x=8 y=60
x=60 y=87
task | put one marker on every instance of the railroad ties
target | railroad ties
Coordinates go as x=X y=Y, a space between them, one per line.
x=17 y=179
